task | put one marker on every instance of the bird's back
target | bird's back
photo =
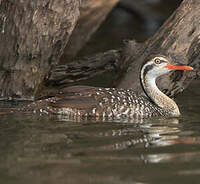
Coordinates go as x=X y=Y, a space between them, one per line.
x=94 y=101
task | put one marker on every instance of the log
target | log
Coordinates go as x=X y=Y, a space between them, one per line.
x=33 y=35
x=85 y=68
x=86 y=71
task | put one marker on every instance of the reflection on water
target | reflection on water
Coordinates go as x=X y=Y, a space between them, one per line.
x=171 y=157
x=38 y=149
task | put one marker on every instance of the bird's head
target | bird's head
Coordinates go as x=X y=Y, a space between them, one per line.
x=160 y=65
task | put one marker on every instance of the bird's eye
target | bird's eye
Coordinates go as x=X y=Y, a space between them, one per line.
x=157 y=61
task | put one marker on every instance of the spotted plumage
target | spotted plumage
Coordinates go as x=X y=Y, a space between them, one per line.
x=91 y=101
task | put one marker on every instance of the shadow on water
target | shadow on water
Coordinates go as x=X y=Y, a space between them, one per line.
x=53 y=150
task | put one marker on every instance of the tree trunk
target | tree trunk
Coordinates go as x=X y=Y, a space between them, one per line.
x=33 y=35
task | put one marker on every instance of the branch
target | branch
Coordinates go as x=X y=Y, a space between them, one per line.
x=84 y=69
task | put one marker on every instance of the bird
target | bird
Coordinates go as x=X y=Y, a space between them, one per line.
x=88 y=101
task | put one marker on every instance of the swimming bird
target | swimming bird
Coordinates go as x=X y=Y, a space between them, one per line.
x=90 y=101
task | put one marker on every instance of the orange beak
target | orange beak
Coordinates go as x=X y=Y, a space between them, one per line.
x=178 y=67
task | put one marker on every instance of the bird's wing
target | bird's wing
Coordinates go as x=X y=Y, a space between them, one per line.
x=80 y=97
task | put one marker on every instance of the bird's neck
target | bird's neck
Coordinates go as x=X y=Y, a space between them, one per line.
x=158 y=97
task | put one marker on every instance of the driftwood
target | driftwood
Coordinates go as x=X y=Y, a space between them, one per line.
x=177 y=38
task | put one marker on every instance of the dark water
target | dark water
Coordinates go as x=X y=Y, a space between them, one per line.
x=54 y=150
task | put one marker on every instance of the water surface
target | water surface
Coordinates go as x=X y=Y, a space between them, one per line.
x=53 y=150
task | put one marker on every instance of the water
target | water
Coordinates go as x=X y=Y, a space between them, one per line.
x=51 y=150
x=38 y=149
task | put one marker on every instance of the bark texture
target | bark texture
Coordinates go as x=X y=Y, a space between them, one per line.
x=33 y=35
